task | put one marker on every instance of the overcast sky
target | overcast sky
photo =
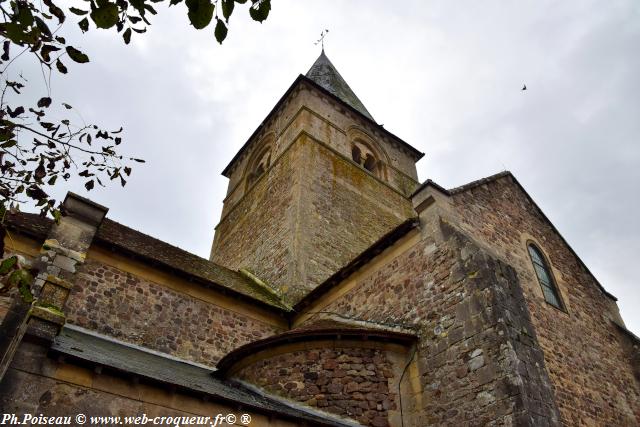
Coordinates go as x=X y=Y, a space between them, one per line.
x=444 y=76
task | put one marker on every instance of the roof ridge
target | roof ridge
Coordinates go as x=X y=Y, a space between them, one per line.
x=479 y=182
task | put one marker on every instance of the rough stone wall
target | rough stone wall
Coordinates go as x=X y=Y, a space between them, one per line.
x=478 y=357
x=119 y=304
x=258 y=232
x=584 y=353
x=352 y=382
x=309 y=215
x=343 y=211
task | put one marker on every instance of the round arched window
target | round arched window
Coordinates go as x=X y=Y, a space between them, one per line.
x=545 y=277
x=363 y=156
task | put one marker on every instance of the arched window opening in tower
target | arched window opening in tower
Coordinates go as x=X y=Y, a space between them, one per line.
x=545 y=277
x=259 y=167
x=370 y=163
x=356 y=154
x=364 y=157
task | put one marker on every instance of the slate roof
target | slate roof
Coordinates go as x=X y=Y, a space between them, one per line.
x=327 y=76
x=119 y=357
x=157 y=253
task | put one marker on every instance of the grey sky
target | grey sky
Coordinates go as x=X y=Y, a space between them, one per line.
x=444 y=76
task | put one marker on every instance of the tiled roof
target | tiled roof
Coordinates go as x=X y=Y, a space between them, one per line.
x=151 y=250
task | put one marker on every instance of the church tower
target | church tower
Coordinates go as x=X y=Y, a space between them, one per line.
x=317 y=183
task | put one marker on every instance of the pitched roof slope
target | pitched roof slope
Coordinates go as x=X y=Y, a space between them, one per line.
x=327 y=76
x=91 y=348
x=151 y=250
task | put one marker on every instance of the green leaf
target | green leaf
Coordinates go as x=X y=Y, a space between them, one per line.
x=44 y=102
x=77 y=11
x=200 y=12
x=221 y=31
x=84 y=25
x=76 y=55
x=24 y=15
x=260 y=10
x=227 y=9
x=9 y=143
x=7 y=265
x=150 y=9
x=55 y=10
x=57 y=216
x=105 y=16
x=46 y=50
x=127 y=36
x=60 y=66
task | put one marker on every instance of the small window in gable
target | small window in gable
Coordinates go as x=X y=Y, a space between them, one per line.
x=545 y=277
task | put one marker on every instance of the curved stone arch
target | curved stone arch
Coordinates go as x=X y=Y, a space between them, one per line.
x=356 y=133
x=259 y=160
x=361 y=146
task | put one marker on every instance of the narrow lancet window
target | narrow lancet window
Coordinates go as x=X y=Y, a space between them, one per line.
x=549 y=288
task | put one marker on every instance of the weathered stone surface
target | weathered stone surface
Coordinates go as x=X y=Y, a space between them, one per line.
x=117 y=303
x=330 y=388
x=500 y=214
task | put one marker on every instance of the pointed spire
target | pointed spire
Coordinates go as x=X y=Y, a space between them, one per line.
x=325 y=74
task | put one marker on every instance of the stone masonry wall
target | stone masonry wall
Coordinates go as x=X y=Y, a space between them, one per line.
x=351 y=382
x=119 y=304
x=258 y=233
x=478 y=357
x=343 y=211
x=309 y=215
x=584 y=352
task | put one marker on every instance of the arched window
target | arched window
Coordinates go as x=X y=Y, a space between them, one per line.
x=548 y=284
x=363 y=156
x=258 y=168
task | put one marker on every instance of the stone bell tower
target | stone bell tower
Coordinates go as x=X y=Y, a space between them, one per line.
x=317 y=183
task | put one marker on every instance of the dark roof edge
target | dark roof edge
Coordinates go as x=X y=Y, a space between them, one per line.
x=417 y=154
x=186 y=275
x=504 y=174
x=305 y=335
x=430 y=183
x=314 y=418
x=371 y=252
x=38 y=235
x=627 y=332
x=481 y=181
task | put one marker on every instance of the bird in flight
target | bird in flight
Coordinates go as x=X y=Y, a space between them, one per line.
x=524 y=87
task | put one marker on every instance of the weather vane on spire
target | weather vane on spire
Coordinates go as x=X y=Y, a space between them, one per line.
x=321 y=39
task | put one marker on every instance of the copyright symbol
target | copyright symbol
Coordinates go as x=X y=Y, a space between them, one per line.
x=81 y=418
x=231 y=419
